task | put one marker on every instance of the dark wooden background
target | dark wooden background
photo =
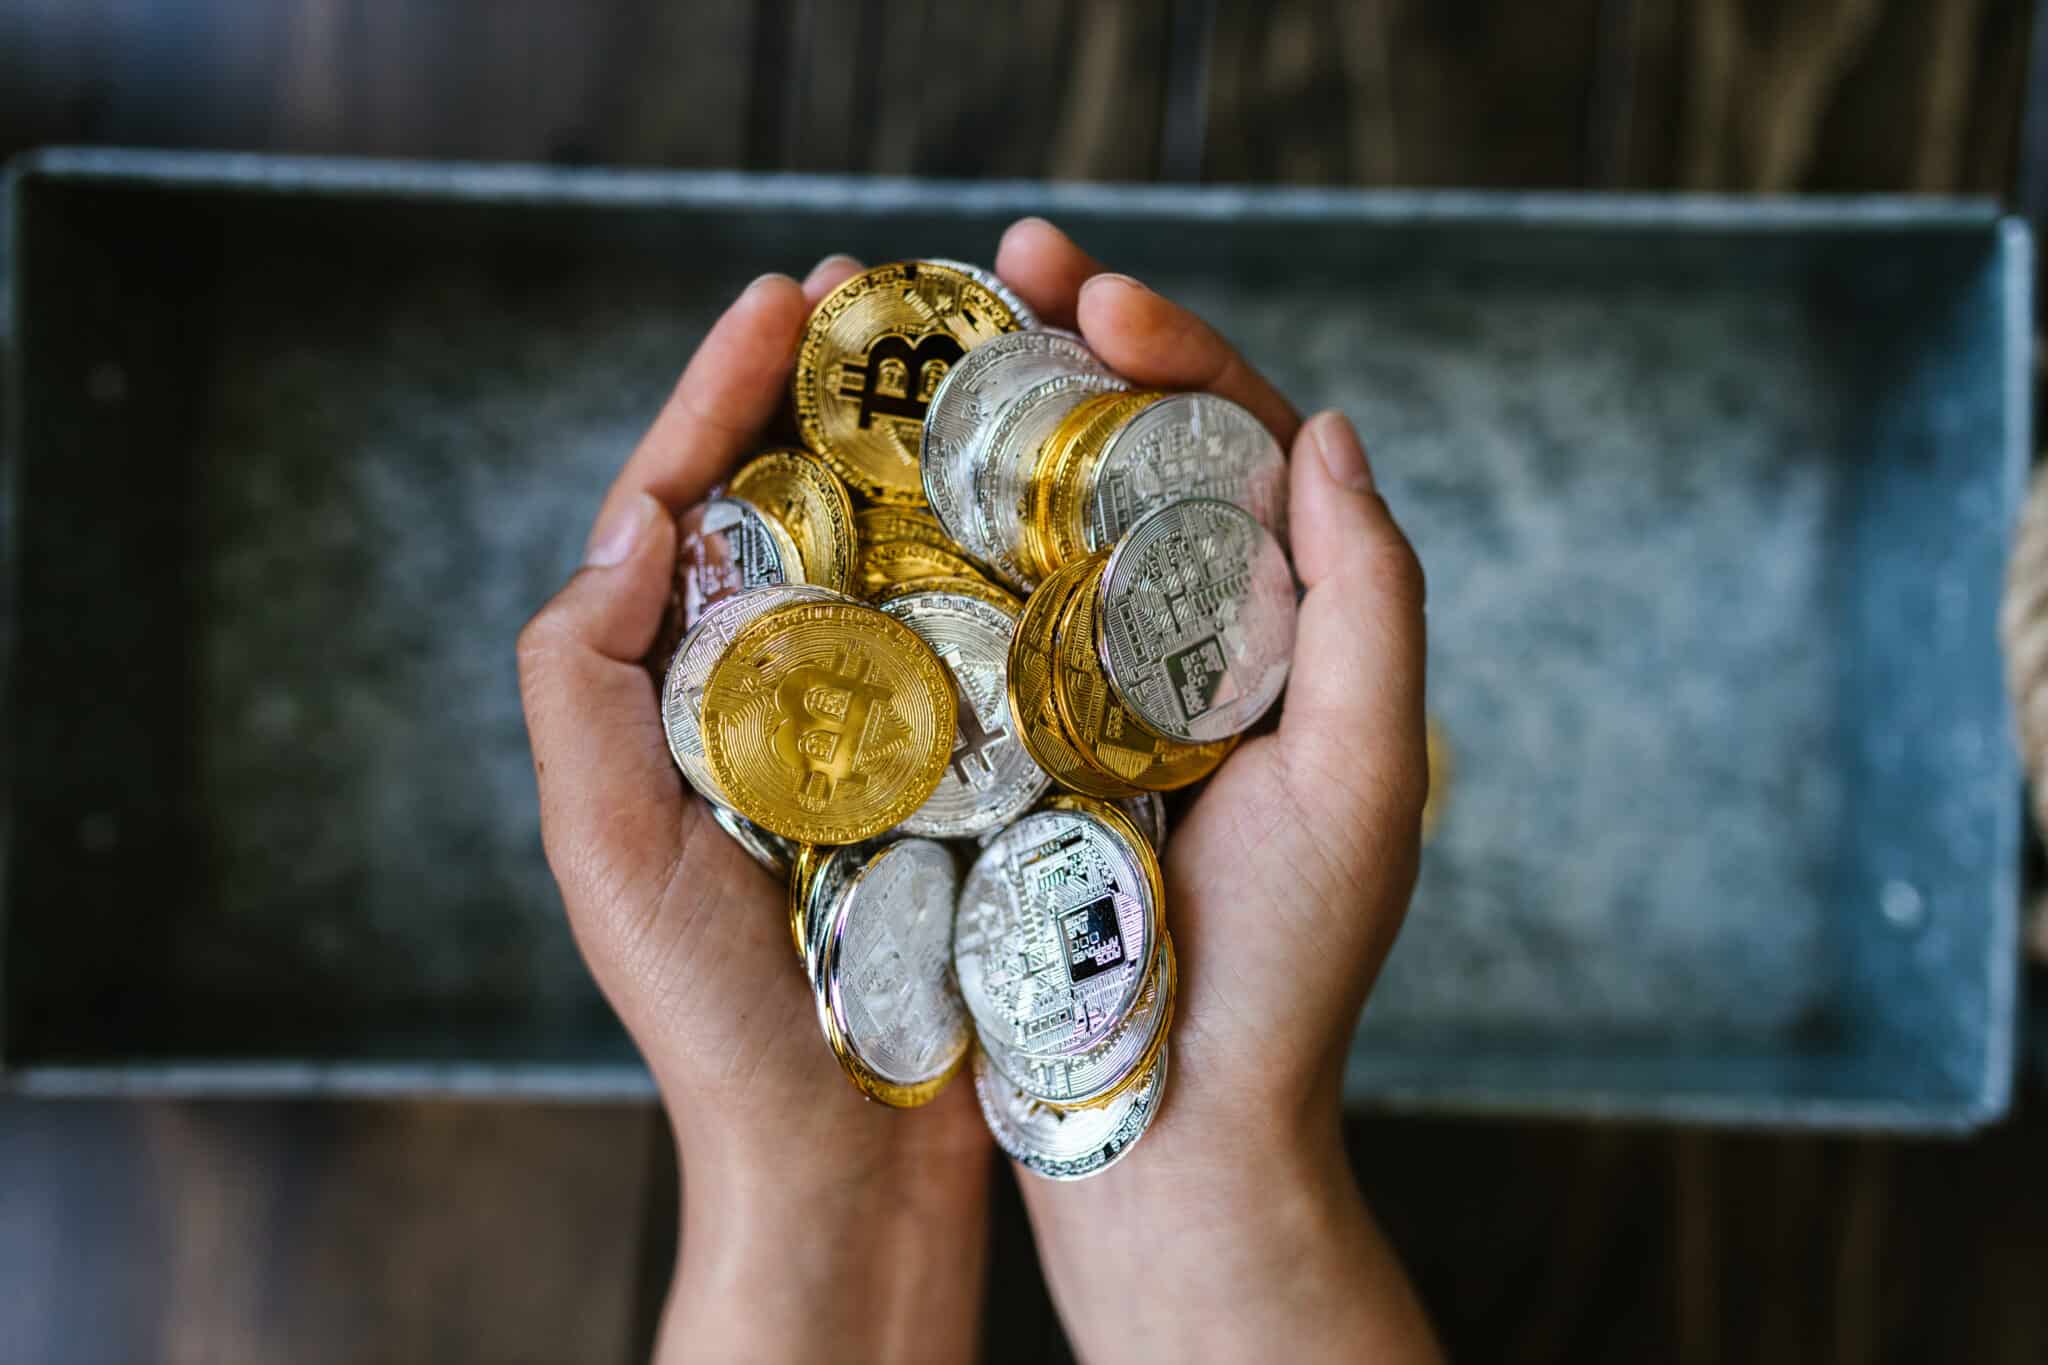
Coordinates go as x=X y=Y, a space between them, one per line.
x=417 y=1231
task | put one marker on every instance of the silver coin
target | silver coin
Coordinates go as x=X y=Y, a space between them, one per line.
x=964 y=408
x=727 y=546
x=887 y=965
x=1187 y=445
x=1076 y=1080
x=1197 y=623
x=1056 y=934
x=765 y=847
x=689 y=672
x=1026 y=316
x=1002 y=476
x=990 y=779
x=1148 y=812
x=1069 y=1144
x=835 y=874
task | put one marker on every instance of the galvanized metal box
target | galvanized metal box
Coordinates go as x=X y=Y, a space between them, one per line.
x=1713 y=496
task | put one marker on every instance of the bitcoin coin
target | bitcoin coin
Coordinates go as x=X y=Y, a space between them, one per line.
x=1030 y=677
x=1099 y=1075
x=1186 y=445
x=682 y=689
x=827 y=722
x=897 y=1025
x=1196 y=620
x=1066 y=1144
x=771 y=851
x=1026 y=315
x=1056 y=933
x=1002 y=476
x=1101 y=728
x=990 y=779
x=1066 y=472
x=978 y=588
x=888 y=564
x=967 y=403
x=1112 y=814
x=723 y=547
x=881 y=524
x=803 y=497
x=872 y=354
x=834 y=871
x=803 y=869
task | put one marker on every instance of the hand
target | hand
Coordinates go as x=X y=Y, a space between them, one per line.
x=815 y=1223
x=1235 y=1230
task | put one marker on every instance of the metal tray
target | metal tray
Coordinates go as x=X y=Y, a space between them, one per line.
x=1713 y=496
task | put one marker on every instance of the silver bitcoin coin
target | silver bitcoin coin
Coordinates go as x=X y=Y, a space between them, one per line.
x=1148 y=812
x=1197 y=620
x=1026 y=316
x=964 y=408
x=1187 y=445
x=1086 y=1076
x=765 y=847
x=990 y=779
x=836 y=871
x=885 y=963
x=682 y=689
x=1069 y=1144
x=726 y=546
x=1002 y=475
x=1055 y=935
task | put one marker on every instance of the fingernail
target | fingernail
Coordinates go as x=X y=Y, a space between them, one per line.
x=1110 y=276
x=1031 y=220
x=761 y=281
x=619 y=531
x=1342 y=453
x=837 y=258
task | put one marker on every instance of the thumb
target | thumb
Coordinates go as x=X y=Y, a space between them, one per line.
x=610 y=801
x=1353 y=719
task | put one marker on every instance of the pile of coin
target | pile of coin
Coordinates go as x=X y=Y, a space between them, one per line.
x=999 y=604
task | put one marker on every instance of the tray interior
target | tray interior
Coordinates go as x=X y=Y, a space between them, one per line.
x=1713 y=522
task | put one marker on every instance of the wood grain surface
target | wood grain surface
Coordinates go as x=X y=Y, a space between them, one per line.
x=423 y=1231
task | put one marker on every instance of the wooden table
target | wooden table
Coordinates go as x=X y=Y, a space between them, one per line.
x=422 y=1231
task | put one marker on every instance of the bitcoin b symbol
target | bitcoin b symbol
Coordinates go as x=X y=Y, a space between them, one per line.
x=898 y=376
x=824 y=714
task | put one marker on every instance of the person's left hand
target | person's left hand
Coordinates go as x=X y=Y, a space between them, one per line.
x=845 y=1228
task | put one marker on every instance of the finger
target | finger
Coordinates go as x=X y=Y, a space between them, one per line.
x=828 y=274
x=727 y=394
x=600 y=759
x=1045 y=268
x=1356 y=686
x=1155 y=342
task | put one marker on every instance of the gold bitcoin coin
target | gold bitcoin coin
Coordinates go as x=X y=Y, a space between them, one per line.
x=1030 y=681
x=1102 y=728
x=806 y=499
x=1061 y=494
x=875 y=525
x=890 y=563
x=803 y=870
x=828 y=722
x=979 y=588
x=872 y=354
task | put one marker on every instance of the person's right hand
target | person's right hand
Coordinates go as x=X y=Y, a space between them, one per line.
x=1235 y=1230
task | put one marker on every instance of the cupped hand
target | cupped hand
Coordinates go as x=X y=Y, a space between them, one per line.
x=826 y=1214
x=1286 y=883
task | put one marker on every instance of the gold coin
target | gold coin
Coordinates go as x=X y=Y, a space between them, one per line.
x=828 y=722
x=979 y=588
x=803 y=869
x=879 y=523
x=872 y=353
x=1059 y=495
x=890 y=563
x=1030 y=680
x=1103 y=729
x=1439 y=779
x=797 y=491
